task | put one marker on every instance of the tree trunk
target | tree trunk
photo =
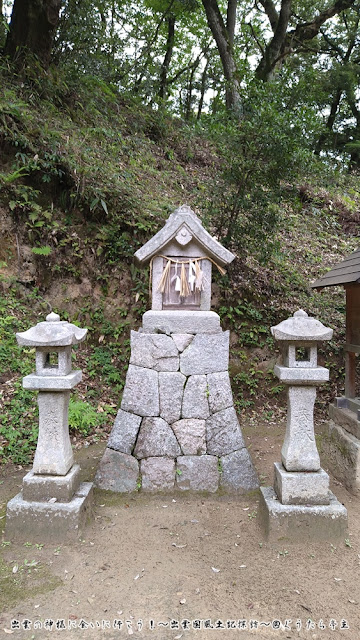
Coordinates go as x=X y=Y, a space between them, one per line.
x=273 y=50
x=221 y=37
x=231 y=20
x=168 y=55
x=203 y=89
x=32 y=28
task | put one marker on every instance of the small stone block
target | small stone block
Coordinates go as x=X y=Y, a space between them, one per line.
x=141 y=392
x=156 y=438
x=28 y=521
x=157 y=474
x=301 y=523
x=301 y=487
x=195 y=402
x=190 y=434
x=223 y=433
x=182 y=340
x=117 y=472
x=237 y=472
x=206 y=354
x=220 y=393
x=171 y=389
x=40 y=488
x=197 y=473
x=154 y=351
x=124 y=432
x=301 y=376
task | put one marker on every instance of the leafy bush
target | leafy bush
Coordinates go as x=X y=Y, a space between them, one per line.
x=83 y=417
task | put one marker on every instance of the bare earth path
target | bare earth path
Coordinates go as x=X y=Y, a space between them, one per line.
x=176 y=558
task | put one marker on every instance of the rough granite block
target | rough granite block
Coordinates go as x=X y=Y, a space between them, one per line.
x=124 y=432
x=182 y=340
x=190 y=434
x=345 y=418
x=237 y=472
x=206 y=354
x=171 y=388
x=156 y=438
x=197 y=473
x=195 y=401
x=48 y=521
x=141 y=392
x=220 y=393
x=301 y=487
x=42 y=488
x=117 y=472
x=301 y=523
x=157 y=474
x=223 y=433
x=154 y=351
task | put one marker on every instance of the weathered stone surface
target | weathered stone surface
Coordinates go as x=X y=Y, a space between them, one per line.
x=157 y=474
x=182 y=340
x=52 y=383
x=301 y=376
x=54 y=455
x=171 y=388
x=301 y=328
x=49 y=521
x=220 y=393
x=195 y=401
x=154 y=351
x=43 y=488
x=156 y=438
x=197 y=473
x=299 y=451
x=340 y=452
x=346 y=418
x=223 y=433
x=206 y=354
x=124 y=432
x=117 y=472
x=141 y=392
x=190 y=435
x=182 y=321
x=301 y=523
x=301 y=487
x=238 y=473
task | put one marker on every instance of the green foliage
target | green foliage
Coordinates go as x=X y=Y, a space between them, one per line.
x=83 y=417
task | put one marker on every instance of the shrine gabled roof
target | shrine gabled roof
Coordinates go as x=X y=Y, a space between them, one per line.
x=345 y=272
x=183 y=221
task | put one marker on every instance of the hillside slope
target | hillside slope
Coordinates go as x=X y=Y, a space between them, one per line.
x=86 y=177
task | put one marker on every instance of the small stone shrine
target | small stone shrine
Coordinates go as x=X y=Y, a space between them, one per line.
x=177 y=427
x=341 y=447
x=52 y=505
x=301 y=506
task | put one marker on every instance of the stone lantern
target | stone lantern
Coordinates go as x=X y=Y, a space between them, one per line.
x=52 y=503
x=177 y=427
x=301 y=486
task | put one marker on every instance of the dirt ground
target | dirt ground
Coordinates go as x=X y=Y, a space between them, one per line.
x=153 y=563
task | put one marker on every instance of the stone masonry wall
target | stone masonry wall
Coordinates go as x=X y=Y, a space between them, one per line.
x=177 y=427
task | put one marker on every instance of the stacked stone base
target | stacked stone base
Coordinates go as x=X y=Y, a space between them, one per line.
x=177 y=427
x=340 y=447
x=49 y=508
x=301 y=523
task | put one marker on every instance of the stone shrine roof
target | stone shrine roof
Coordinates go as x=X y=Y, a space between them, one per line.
x=302 y=328
x=184 y=226
x=52 y=333
x=345 y=272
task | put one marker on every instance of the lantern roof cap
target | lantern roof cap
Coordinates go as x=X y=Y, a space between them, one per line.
x=300 y=327
x=184 y=221
x=52 y=333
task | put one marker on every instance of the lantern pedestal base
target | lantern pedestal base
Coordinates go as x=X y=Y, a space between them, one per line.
x=30 y=521
x=301 y=487
x=301 y=523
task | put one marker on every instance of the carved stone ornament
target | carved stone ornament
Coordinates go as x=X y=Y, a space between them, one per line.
x=183 y=236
